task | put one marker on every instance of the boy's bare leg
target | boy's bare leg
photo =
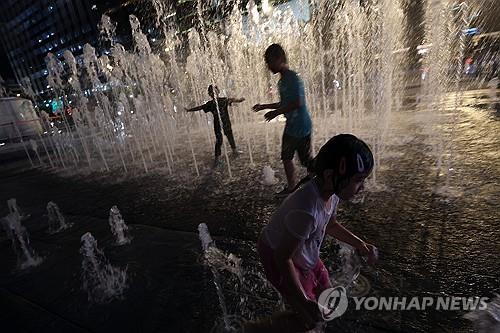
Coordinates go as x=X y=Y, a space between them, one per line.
x=290 y=173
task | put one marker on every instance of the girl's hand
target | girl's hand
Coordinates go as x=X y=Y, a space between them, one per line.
x=370 y=251
x=309 y=313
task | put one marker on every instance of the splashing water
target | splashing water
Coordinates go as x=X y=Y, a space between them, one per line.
x=268 y=177
x=351 y=57
x=17 y=233
x=253 y=288
x=34 y=147
x=118 y=226
x=221 y=261
x=493 y=85
x=216 y=259
x=346 y=272
x=57 y=222
x=14 y=208
x=102 y=282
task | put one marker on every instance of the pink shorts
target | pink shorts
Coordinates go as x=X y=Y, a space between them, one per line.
x=313 y=281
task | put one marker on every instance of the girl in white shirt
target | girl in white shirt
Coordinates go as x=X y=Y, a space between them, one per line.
x=289 y=245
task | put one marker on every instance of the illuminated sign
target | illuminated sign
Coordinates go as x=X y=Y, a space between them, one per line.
x=56 y=105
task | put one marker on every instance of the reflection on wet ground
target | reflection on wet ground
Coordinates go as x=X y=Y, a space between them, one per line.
x=430 y=244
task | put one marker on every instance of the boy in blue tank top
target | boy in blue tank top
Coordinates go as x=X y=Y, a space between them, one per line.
x=292 y=104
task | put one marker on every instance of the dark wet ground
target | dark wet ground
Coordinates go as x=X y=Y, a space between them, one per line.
x=430 y=244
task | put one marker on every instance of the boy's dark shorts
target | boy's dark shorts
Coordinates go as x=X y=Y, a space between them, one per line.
x=291 y=144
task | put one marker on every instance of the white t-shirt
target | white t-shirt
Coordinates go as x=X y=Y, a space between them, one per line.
x=305 y=215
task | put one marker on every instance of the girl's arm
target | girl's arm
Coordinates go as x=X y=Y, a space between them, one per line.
x=336 y=230
x=283 y=257
x=295 y=294
x=341 y=233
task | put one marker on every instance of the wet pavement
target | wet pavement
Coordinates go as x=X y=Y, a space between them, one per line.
x=437 y=233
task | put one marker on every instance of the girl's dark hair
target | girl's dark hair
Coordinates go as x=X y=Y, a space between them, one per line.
x=346 y=155
x=275 y=51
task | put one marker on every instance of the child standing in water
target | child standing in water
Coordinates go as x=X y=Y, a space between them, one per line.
x=218 y=106
x=289 y=245
x=292 y=104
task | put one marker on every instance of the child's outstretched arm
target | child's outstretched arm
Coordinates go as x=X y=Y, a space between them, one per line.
x=196 y=108
x=283 y=109
x=260 y=107
x=341 y=233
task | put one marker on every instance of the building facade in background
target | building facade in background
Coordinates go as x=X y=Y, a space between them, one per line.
x=32 y=28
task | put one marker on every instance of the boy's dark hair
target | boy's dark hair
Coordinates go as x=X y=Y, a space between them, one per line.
x=274 y=51
x=211 y=89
